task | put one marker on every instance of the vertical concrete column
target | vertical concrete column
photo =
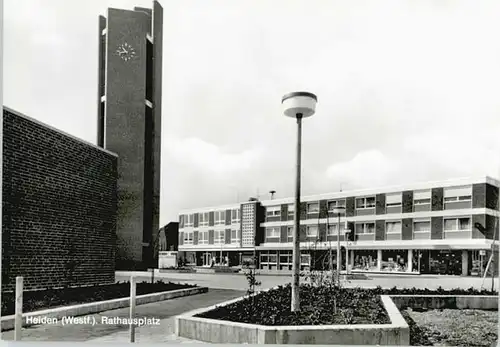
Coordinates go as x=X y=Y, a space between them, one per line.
x=18 y=320
x=465 y=262
x=379 y=260
x=351 y=259
x=410 y=261
x=132 y=308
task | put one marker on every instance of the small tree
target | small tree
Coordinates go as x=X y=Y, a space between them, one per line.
x=251 y=276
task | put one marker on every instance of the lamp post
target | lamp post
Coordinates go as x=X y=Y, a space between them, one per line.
x=338 y=211
x=298 y=105
x=347 y=232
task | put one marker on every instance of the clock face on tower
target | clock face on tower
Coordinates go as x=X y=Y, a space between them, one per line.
x=126 y=51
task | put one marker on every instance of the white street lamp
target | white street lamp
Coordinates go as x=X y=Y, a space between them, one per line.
x=298 y=105
x=338 y=211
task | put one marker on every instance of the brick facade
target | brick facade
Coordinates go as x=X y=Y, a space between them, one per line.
x=59 y=207
x=407 y=201
x=380 y=204
x=380 y=230
x=407 y=229
x=437 y=228
x=169 y=237
x=491 y=197
x=437 y=199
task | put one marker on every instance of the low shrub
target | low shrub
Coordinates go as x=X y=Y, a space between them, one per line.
x=318 y=303
x=438 y=291
x=273 y=308
x=49 y=298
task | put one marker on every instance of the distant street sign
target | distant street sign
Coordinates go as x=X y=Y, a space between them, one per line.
x=482 y=252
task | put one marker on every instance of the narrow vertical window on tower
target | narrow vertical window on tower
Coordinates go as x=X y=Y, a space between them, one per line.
x=149 y=71
x=102 y=92
x=148 y=175
x=102 y=67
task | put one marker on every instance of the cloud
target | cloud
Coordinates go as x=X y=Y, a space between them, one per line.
x=208 y=157
x=367 y=168
x=395 y=106
x=460 y=152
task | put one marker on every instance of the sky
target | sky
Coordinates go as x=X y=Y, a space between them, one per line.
x=408 y=91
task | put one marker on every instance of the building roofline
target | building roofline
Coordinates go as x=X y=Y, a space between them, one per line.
x=215 y=208
x=389 y=189
x=36 y=121
x=360 y=192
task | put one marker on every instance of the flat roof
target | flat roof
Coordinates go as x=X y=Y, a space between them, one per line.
x=359 y=193
x=17 y=113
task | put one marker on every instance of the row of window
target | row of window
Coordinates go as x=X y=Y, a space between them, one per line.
x=219 y=237
x=393 y=202
x=285 y=258
x=312 y=207
x=219 y=218
x=311 y=231
x=391 y=227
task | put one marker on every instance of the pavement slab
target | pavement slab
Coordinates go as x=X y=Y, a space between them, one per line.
x=164 y=311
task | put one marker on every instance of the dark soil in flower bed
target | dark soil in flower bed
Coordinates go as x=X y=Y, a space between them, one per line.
x=51 y=298
x=354 y=305
x=451 y=327
x=317 y=308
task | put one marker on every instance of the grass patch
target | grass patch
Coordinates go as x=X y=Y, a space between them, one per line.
x=51 y=298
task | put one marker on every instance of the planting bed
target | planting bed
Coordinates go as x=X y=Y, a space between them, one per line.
x=51 y=298
x=317 y=308
x=354 y=306
x=449 y=327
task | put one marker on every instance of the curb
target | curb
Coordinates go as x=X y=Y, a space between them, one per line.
x=210 y=330
x=100 y=306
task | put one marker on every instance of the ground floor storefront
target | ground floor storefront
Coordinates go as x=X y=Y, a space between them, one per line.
x=422 y=261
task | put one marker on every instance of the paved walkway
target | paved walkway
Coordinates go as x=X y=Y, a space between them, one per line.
x=239 y=282
x=165 y=311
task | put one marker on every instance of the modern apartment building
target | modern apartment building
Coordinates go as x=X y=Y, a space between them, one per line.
x=444 y=227
x=129 y=123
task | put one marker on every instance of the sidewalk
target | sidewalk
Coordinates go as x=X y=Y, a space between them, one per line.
x=164 y=333
x=165 y=311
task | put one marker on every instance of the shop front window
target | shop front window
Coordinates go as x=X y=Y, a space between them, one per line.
x=394 y=260
x=268 y=260
x=445 y=262
x=285 y=260
x=365 y=260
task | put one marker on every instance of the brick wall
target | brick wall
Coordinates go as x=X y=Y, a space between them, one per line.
x=59 y=207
